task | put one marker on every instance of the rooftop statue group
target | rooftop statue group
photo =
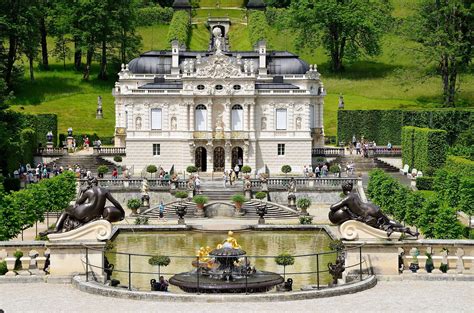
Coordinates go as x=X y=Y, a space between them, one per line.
x=351 y=207
x=90 y=206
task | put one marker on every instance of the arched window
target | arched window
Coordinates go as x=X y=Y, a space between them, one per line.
x=237 y=117
x=201 y=117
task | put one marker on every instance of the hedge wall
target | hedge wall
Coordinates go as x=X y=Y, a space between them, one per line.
x=460 y=165
x=42 y=124
x=423 y=148
x=385 y=125
x=257 y=26
x=105 y=140
x=180 y=28
x=154 y=15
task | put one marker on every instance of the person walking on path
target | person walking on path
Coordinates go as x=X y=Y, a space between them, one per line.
x=224 y=177
x=236 y=170
x=162 y=211
x=197 y=184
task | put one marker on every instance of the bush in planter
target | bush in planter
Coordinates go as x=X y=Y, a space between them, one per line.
x=134 y=204
x=246 y=169
x=261 y=195
x=118 y=158
x=284 y=259
x=151 y=169
x=191 y=169
x=3 y=268
x=286 y=169
x=159 y=260
x=200 y=200
x=238 y=199
x=102 y=169
x=303 y=203
x=181 y=194
x=334 y=169
x=141 y=220
x=306 y=220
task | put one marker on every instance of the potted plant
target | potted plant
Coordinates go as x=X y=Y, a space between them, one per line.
x=191 y=169
x=429 y=266
x=200 y=201
x=261 y=195
x=151 y=169
x=334 y=169
x=246 y=169
x=134 y=204
x=181 y=195
x=101 y=170
x=159 y=260
x=306 y=220
x=414 y=267
x=286 y=169
x=238 y=200
x=284 y=259
x=118 y=158
x=303 y=204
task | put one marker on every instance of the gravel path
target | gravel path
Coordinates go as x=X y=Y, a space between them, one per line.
x=412 y=296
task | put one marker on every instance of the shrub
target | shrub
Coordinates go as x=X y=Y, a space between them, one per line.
x=102 y=169
x=181 y=194
x=152 y=15
x=257 y=26
x=261 y=195
x=18 y=255
x=161 y=260
x=151 y=169
x=246 y=169
x=424 y=183
x=238 y=198
x=460 y=165
x=179 y=28
x=306 y=220
x=303 y=203
x=286 y=169
x=446 y=224
x=200 y=199
x=141 y=220
x=134 y=203
x=466 y=195
x=334 y=169
x=3 y=268
x=408 y=145
x=285 y=259
x=118 y=158
x=423 y=148
x=191 y=169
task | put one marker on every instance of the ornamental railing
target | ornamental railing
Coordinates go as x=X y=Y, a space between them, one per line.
x=384 y=151
x=51 y=151
x=306 y=183
x=109 y=151
x=136 y=184
x=327 y=152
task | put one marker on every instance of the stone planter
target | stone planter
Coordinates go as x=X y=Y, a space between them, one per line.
x=10 y=266
x=238 y=209
x=199 y=210
x=303 y=211
x=40 y=262
x=414 y=267
x=134 y=211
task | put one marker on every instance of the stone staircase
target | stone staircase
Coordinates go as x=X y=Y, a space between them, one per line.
x=87 y=162
x=364 y=164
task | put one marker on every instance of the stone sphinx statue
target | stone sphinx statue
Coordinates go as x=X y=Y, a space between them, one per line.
x=353 y=208
x=90 y=206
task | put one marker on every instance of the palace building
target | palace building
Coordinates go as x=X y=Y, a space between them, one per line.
x=217 y=108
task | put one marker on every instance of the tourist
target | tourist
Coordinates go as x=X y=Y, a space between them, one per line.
x=389 y=146
x=236 y=170
x=224 y=177
x=230 y=177
x=317 y=171
x=74 y=144
x=305 y=171
x=324 y=170
x=240 y=163
x=357 y=147
x=98 y=143
x=197 y=184
x=351 y=148
x=163 y=284
x=233 y=177
x=354 y=140
x=114 y=173
x=162 y=211
x=87 y=143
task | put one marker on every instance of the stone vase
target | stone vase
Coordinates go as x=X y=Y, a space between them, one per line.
x=10 y=266
x=199 y=210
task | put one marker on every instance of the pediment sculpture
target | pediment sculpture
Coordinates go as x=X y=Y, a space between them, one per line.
x=218 y=66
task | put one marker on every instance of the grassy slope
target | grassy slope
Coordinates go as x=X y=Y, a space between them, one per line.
x=372 y=83
x=222 y=3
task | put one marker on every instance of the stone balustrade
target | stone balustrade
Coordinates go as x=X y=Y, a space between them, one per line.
x=278 y=183
x=109 y=151
x=33 y=261
x=327 y=152
x=136 y=184
x=52 y=152
x=385 y=152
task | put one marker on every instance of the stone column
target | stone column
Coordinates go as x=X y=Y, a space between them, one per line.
x=191 y=117
x=209 y=116
x=246 y=116
x=227 y=118
x=252 y=117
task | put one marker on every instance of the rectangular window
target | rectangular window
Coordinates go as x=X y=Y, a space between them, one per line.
x=281 y=119
x=156 y=149
x=281 y=149
x=155 y=118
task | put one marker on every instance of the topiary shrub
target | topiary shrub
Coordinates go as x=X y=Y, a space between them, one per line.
x=159 y=260
x=306 y=220
x=466 y=195
x=424 y=183
x=286 y=169
x=284 y=259
x=102 y=169
x=303 y=203
x=134 y=203
x=261 y=195
x=191 y=169
x=118 y=158
x=180 y=28
x=200 y=199
x=151 y=169
x=334 y=169
x=3 y=267
x=246 y=169
x=257 y=26
x=181 y=194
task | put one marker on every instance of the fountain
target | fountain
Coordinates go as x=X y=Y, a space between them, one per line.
x=225 y=269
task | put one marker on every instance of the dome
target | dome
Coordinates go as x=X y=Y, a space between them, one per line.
x=287 y=65
x=150 y=65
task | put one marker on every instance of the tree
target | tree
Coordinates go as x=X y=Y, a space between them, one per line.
x=346 y=28
x=29 y=40
x=444 y=30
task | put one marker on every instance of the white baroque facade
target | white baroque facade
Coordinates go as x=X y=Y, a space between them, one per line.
x=214 y=109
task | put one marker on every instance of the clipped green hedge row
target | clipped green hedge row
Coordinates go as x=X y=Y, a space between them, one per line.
x=385 y=125
x=257 y=26
x=460 y=165
x=423 y=148
x=154 y=15
x=42 y=124
x=180 y=28
x=21 y=209
x=430 y=214
x=424 y=183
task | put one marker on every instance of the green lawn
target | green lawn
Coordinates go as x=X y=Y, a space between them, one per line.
x=389 y=81
x=222 y=3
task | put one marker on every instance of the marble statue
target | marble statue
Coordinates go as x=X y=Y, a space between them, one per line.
x=291 y=187
x=89 y=207
x=351 y=207
x=174 y=123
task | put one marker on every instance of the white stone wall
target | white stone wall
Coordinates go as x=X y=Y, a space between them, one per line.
x=297 y=154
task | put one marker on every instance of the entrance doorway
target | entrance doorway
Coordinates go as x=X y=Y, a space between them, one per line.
x=237 y=157
x=200 y=159
x=219 y=159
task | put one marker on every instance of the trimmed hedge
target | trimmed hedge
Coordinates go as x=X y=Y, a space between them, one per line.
x=180 y=28
x=154 y=15
x=257 y=27
x=423 y=148
x=460 y=165
x=42 y=124
x=385 y=125
x=80 y=139
x=466 y=195
x=424 y=183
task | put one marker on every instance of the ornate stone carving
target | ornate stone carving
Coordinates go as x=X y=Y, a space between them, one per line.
x=174 y=123
x=97 y=230
x=218 y=66
x=298 y=123
x=138 y=123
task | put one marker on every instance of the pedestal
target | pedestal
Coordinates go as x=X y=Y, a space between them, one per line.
x=261 y=221
x=181 y=221
x=292 y=202
x=69 y=141
x=99 y=114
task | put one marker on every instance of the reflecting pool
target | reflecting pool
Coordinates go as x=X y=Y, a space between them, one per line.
x=181 y=247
